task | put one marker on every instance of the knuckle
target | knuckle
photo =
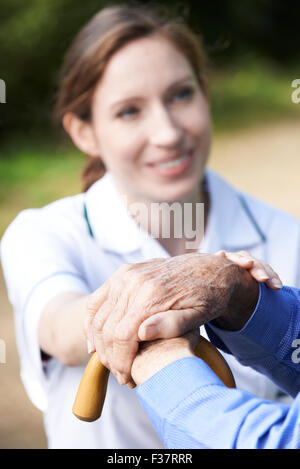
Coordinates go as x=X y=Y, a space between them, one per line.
x=98 y=322
x=245 y=253
x=121 y=334
x=273 y=272
x=91 y=304
x=137 y=273
x=124 y=269
x=134 y=276
x=107 y=332
x=153 y=285
x=233 y=254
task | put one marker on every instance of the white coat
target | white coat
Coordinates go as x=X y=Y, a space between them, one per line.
x=76 y=244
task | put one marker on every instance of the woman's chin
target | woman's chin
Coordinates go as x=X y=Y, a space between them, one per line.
x=180 y=192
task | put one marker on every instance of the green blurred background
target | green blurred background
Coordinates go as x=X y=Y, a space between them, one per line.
x=253 y=48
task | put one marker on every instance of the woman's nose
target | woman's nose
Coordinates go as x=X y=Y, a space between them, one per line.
x=164 y=130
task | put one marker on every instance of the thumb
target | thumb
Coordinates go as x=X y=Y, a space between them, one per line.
x=168 y=324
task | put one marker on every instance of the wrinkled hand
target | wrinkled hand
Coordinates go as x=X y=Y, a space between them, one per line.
x=172 y=296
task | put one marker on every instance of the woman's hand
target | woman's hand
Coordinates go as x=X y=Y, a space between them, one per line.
x=163 y=298
x=260 y=271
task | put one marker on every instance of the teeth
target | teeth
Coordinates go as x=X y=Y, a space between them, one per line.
x=173 y=163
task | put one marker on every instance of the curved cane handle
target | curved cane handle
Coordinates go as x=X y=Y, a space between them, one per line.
x=92 y=389
x=215 y=360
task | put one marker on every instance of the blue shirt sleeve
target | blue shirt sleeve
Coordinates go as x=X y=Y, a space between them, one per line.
x=191 y=408
x=270 y=340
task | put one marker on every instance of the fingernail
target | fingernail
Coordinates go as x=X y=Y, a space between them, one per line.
x=120 y=378
x=149 y=332
x=131 y=385
x=262 y=274
x=276 y=283
x=248 y=259
x=89 y=346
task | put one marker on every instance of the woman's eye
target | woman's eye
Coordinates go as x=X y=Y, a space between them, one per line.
x=128 y=112
x=183 y=94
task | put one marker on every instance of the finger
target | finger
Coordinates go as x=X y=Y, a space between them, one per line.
x=221 y=253
x=262 y=272
x=242 y=258
x=103 y=328
x=172 y=323
x=97 y=332
x=88 y=336
x=116 y=311
x=95 y=301
x=124 y=352
x=259 y=270
x=133 y=309
x=106 y=341
x=122 y=328
x=275 y=283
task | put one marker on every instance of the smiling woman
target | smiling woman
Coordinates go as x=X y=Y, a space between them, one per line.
x=117 y=29
x=132 y=96
x=162 y=122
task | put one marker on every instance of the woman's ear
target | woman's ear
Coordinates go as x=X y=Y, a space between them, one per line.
x=81 y=132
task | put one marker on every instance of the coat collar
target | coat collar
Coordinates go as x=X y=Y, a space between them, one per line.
x=231 y=224
x=111 y=224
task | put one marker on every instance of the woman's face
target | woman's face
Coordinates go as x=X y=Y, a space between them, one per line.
x=151 y=123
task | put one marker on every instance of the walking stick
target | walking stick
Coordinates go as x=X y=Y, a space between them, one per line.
x=91 y=393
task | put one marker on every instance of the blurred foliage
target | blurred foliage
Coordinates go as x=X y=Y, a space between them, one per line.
x=35 y=172
x=35 y=34
x=250 y=93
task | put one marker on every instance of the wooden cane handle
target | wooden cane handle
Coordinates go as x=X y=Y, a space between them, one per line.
x=91 y=393
x=215 y=360
x=92 y=389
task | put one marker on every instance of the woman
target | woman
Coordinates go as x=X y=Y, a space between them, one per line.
x=133 y=97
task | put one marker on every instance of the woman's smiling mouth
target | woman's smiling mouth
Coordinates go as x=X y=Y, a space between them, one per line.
x=172 y=166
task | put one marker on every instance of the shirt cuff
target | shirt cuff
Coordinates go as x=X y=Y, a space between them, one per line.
x=185 y=376
x=265 y=328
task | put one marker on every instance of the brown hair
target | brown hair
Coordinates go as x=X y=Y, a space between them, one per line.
x=94 y=45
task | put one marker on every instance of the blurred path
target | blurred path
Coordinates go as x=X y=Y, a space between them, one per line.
x=20 y=422
x=264 y=162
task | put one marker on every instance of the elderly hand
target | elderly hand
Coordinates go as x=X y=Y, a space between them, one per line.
x=173 y=295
